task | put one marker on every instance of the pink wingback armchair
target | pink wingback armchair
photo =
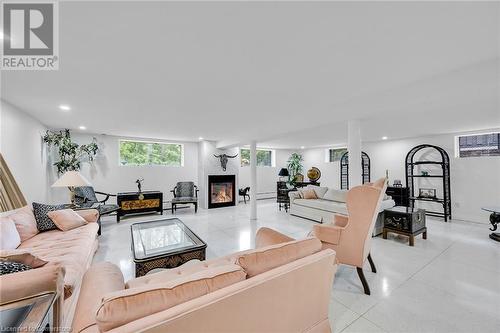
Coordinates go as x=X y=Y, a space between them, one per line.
x=350 y=236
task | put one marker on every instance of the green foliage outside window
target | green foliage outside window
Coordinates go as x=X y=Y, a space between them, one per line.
x=336 y=154
x=136 y=153
x=264 y=157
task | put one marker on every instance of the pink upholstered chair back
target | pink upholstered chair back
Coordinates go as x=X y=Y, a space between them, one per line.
x=363 y=203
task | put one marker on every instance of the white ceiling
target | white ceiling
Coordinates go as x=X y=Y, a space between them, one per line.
x=287 y=74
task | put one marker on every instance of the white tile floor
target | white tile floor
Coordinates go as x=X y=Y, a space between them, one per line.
x=447 y=283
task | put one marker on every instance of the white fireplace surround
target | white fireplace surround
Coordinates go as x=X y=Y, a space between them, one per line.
x=209 y=165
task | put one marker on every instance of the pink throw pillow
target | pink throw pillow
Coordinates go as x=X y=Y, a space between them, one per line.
x=9 y=236
x=66 y=219
x=25 y=222
x=309 y=194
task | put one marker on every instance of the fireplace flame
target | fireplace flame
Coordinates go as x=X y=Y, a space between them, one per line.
x=222 y=193
x=222 y=196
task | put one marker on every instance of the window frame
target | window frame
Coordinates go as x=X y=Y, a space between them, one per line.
x=457 y=144
x=151 y=142
x=273 y=157
x=327 y=153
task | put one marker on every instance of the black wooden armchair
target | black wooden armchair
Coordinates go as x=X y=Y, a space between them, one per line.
x=85 y=197
x=185 y=193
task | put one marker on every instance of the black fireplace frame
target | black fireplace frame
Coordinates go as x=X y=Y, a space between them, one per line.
x=221 y=179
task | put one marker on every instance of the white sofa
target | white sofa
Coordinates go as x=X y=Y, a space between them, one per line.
x=330 y=202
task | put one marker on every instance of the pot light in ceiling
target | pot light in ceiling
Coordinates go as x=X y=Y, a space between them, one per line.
x=384 y=138
x=83 y=128
x=200 y=138
x=64 y=107
x=302 y=147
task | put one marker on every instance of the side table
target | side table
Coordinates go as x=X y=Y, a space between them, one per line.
x=405 y=221
x=33 y=314
x=494 y=220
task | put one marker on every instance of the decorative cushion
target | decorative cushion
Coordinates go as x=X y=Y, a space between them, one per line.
x=66 y=219
x=9 y=236
x=100 y=279
x=90 y=215
x=320 y=191
x=33 y=282
x=269 y=257
x=336 y=195
x=309 y=194
x=8 y=267
x=23 y=257
x=25 y=222
x=119 y=308
x=43 y=222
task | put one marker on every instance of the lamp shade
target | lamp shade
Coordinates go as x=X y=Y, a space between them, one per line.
x=71 y=179
x=283 y=172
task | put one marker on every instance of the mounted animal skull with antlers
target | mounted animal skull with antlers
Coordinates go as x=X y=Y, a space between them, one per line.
x=223 y=158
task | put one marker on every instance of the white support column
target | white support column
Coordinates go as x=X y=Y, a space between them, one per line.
x=253 y=180
x=354 y=149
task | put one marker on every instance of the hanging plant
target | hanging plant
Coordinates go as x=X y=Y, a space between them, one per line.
x=294 y=167
x=71 y=154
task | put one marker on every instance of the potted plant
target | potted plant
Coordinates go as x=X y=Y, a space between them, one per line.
x=71 y=154
x=294 y=167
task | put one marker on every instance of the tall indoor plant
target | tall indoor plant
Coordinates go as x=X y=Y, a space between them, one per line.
x=70 y=153
x=295 y=166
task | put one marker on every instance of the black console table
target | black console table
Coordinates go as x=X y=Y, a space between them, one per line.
x=282 y=191
x=400 y=195
x=282 y=197
x=494 y=220
x=304 y=184
x=135 y=202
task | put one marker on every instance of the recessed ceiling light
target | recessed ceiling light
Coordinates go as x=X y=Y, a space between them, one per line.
x=83 y=128
x=64 y=107
x=302 y=147
x=384 y=138
x=200 y=138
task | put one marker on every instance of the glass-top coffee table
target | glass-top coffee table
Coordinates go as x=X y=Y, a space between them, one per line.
x=165 y=243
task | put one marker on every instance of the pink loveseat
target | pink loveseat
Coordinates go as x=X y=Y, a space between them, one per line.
x=282 y=286
x=69 y=255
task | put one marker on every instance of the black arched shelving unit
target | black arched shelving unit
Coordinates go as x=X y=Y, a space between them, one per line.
x=344 y=169
x=443 y=176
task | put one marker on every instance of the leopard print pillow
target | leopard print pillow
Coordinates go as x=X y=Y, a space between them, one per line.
x=43 y=222
x=8 y=267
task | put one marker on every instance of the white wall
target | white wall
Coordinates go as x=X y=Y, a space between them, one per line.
x=266 y=176
x=107 y=175
x=475 y=181
x=22 y=147
x=330 y=172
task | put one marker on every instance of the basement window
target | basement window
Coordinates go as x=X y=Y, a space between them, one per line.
x=477 y=145
x=264 y=157
x=143 y=153
x=334 y=154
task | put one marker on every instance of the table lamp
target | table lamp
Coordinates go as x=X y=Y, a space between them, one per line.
x=283 y=173
x=71 y=179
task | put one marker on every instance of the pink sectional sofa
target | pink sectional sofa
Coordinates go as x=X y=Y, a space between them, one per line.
x=282 y=286
x=69 y=255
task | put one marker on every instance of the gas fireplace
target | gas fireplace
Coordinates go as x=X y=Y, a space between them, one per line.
x=221 y=191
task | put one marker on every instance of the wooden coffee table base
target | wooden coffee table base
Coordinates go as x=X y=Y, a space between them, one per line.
x=170 y=261
x=422 y=231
